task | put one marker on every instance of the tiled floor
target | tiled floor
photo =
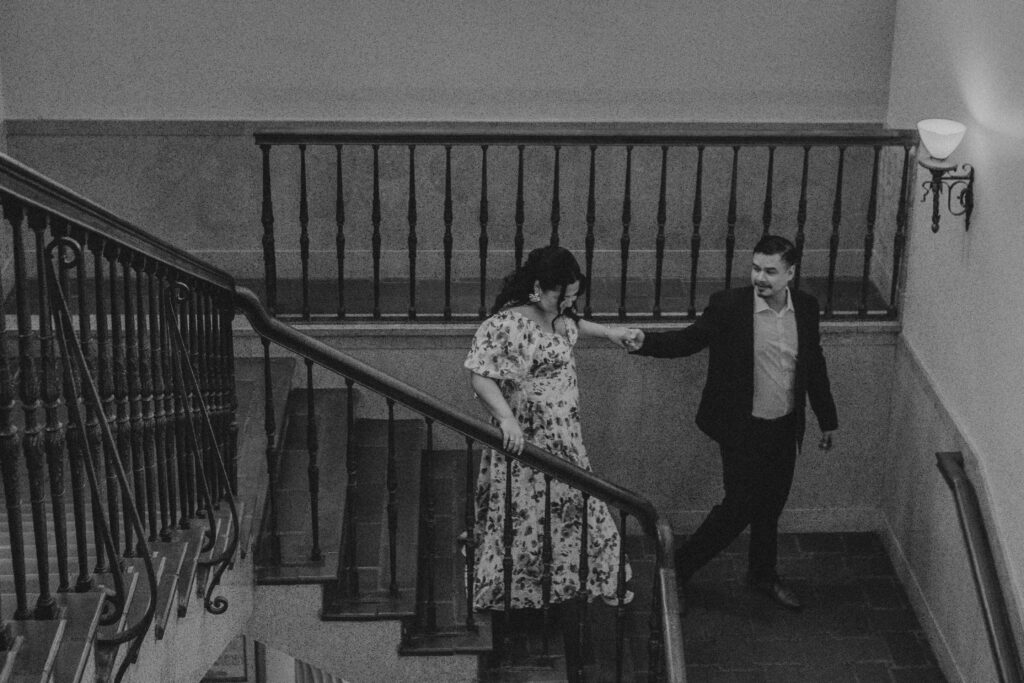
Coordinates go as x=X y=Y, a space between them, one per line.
x=856 y=625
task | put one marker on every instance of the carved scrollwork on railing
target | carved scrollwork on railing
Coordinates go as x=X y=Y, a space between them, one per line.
x=187 y=383
x=83 y=388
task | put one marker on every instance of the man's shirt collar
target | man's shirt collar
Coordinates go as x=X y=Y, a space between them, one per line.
x=760 y=305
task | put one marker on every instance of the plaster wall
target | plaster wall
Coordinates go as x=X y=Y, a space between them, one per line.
x=962 y=328
x=699 y=60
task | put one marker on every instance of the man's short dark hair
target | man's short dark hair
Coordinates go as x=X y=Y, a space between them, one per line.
x=777 y=244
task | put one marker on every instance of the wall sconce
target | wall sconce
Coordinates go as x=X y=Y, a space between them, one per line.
x=940 y=138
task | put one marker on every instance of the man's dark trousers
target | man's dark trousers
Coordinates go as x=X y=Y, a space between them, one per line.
x=757 y=471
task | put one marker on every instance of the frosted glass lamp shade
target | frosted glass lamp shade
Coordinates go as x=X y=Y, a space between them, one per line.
x=940 y=137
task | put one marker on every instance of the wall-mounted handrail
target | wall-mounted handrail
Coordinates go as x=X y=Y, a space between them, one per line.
x=488 y=435
x=986 y=579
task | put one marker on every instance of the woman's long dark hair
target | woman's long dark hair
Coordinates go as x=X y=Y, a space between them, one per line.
x=553 y=267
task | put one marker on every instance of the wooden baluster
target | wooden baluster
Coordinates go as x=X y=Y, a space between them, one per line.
x=833 y=242
x=76 y=444
x=92 y=437
x=482 y=312
x=655 y=651
x=122 y=434
x=339 y=219
x=31 y=439
x=197 y=462
x=583 y=594
x=547 y=560
x=10 y=446
x=730 y=237
x=869 y=235
x=176 y=498
x=53 y=431
x=187 y=463
x=313 y=467
x=105 y=372
x=218 y=399
x=269 y=250
x=203 y=367
x=556 y=211
x=589 y=241
x=766 y=214
x=272 y=547
x=392 y=486
x=900 y=239
x=412 y=242
x=134 y=454
x=698 y=217
x=520 y=216
x=160 y=416
x=148 y=454
x=227 y=313
x=620 y=609
x=426 y=604
x=469 y=519
x=448 y=232
x=349 y=575
x=375 y=238
x=304 y=231
x=659 y=242
x=801 y=215
x=627 y=217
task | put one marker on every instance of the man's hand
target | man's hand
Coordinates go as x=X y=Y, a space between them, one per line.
x=633 y=340
x=826 y=441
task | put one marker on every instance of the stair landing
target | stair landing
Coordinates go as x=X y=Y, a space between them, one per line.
x=857 y=624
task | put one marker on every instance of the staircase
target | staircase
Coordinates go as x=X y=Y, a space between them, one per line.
x=362 y=612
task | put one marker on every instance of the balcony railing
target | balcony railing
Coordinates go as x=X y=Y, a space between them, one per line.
x=419 y=222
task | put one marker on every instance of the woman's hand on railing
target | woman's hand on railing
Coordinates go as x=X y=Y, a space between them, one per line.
x=511 y=434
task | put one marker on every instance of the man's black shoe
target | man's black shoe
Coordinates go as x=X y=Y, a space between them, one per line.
x=777 y=591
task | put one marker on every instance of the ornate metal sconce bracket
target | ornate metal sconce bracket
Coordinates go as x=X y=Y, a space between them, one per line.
x=958 y=184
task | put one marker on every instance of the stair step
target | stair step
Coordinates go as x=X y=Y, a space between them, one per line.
x=367 y=607
x=195 y=536
x=74 y=662
x=40 y=641
x=174 y=553
x=294 y=522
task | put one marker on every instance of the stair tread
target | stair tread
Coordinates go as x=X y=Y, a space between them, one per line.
x=82 y=612
x=39 y=648
x=187 y=571
x=174 y=553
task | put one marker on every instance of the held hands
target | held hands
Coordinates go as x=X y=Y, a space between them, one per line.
x=627 y=338
x=634 y=340
x=826 y=441
x=511 y=434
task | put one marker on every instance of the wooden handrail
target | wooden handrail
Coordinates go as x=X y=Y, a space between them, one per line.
x=986 y=579
x=35 y=189
x=496 y=133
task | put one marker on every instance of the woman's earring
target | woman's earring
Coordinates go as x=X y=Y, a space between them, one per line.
x=534 y=297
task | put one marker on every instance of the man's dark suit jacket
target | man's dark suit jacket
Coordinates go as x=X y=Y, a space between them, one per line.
x=727 y=329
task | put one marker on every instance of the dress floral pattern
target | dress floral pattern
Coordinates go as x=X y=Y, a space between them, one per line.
x=536 y=373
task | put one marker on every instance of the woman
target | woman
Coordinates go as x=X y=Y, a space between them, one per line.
x=523 y=371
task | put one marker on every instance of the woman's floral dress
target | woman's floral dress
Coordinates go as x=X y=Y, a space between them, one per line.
x=536 y=372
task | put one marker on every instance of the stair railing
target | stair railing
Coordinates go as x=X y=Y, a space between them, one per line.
x=141 y=465
x=77 y=373
x=188 y=387
x=666 y=636
x=979 y=551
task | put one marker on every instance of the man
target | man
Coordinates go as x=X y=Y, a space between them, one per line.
x=764 y=360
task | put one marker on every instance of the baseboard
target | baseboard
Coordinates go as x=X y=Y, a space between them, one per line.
x=922 y=608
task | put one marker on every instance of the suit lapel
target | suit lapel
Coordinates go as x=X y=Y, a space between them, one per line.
x=745 y=326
